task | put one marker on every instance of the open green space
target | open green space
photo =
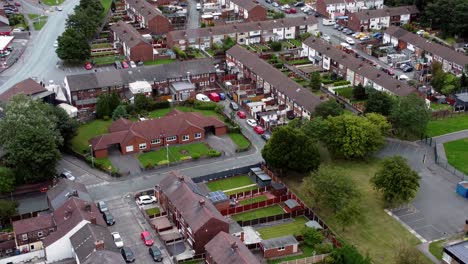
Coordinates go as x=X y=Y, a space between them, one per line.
x=346 y=92
x=52 y=2
x=252 y=200
x=164 y=111
x=294 y=227
x=107 y=60
x=447 y=125
x=378 y=234
x=229 y=183
x=259 y=213
x=158 y=62
x=239 y=140
x=152 y=211
x=457 y=154
x=106 y=4
x=436 y=248
x=80 y=143
x=175 y=153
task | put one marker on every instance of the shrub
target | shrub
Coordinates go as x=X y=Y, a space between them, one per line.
x=205 y=105
x=219 y=109
x=323 y=248
x=149 y=165
x=189 y=101
x=213 y=153
x=340 y=83
x=234 y=129
x=195 y=156
x=326 y=81
x=160 y=105
x=276 y=45
x=279 y=65
x=163 y=162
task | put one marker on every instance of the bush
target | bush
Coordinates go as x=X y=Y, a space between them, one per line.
x=234 y=129
x=326 y=81
x=160 y=105
x=276 y=45
x=323 y=248
x=219 y=109
x=149 y=165
x=195 y=156
x=163 y=162
x=205 y=105
x=213 y=153
x=185 y=158
x=340 y=83
x=278 y=65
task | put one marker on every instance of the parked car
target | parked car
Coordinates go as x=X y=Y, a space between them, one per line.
x=234 y=106
x=293 y=10
x=133 y=64
x=124 y=65
x=388 y=71
x=88 y=66
x=146 y=237
x=406 y=67
x=251 y=122
x=241 y=115
x=58 y=8
x=17 y=4
x=117 y=239
x=326 y=37
x=146 y=199
x=109 y=218
x=340 y=28
x=266 y=136
x=268 y=1
x=420 y=32
x=202 y=97
x=222 y=96
x=377 y=35
x=118 y=65
x=275 y=4
x=198 y=6
x=365 y=38
x=102 y=206
x=299 y=4
x=336 y=26
x=259 y=130
x=183 y=4
x=350 y=41
x=127 y=254
x=155 y=253
x=67 y=175
x=214 y=97
x=15 y=30
x=403 y=77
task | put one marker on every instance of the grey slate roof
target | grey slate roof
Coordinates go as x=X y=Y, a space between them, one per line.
x=386 y=11
x=459 y=251
x=163 y=72
x=144 y=8
x=128 y=34
x=291 y=203
x=278 y=242
x=57 y=196
x=105 y=257
x=228 y=249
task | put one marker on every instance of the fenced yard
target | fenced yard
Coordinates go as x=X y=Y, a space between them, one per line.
x=295 y=227
x=231 y=183
x=259 y=213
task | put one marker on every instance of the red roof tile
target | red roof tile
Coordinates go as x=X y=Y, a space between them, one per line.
x=27 y=87
x=225 y=248
x=37 y=223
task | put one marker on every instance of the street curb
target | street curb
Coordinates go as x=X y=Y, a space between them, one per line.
x=418 y=236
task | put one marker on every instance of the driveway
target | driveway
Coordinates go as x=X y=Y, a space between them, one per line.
x=223 y=144
x=125 y=163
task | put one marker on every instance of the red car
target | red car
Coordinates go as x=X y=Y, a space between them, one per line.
x=88 y=66
x=241 y=114
x=17 y=4
x=146 y=237
x=259 y=130
x=124 y=65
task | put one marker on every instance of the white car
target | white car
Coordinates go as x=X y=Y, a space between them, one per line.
x=345 y=45
x=420 y=32
x=58 y=8
x=117 y=239
x=146 y=199
x=67 y=175
x=132 y=64
x=202 y=97
x=251 y=122
x=275 y=4
x=198 y=6
x=350 y=41
x=403 y=77
x=326 y=37
x=56 y=44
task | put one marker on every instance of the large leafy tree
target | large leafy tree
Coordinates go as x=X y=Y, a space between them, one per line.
x=312 y=236
x=7 y=209
x=379 y=102
x=329 y=108
x=315 y=81
x=119 y=112
x=7 y=180
x=66 y=125
x=359 y=92
x=396 y=180
x=410 y=116
x=30 y=138
x=106 y=104
x=291 y=149
x=315 y=128
x=73 y=46
x=436 y=16
x=380 y=121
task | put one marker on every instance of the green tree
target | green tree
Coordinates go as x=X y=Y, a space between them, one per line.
x=380 y=121
x=66 y=125
x=352 y=136
x=315 y=128
x=228 y=43
x=315 y=81
x=276 y=45
x=348 y=255
x=396 y=180
x=113 y=6
x=349 y=214
x=359 y=92
x=379 y=102
x=142 y=103
x=329 y=108
x=410 y=115
x=7 y=180
x=30 y=138
x=73 y=46
x=407 y=254
x=312 y=236
x=106 y=104
x=291 y=149
x=119 y=112
x=7 y=209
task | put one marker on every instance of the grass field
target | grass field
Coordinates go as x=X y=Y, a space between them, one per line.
x=457 y=154
x=240 y=140
x=229 y=183
x=175 y=153
x=52 y=2
x=378 y=234
x=158 y=62
x=256 y=199
x=436 y=248
x=292 y=228
x=80 y=143
x=447 y=125
x=259 y=213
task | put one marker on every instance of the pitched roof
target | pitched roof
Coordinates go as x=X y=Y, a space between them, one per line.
x=27 y=87
x=70 y=214
x=245 y=4
x=185 y=195
x=386 y=81
x=83 y=241
x=332 y=2
x=128 y=34
x=163 y=72
x=104 y=257
x=61 y=192
x=291 y=203
x=241 y=27
x=173 y=124
x=275 y=77
x=431 y=47
x=225 y=248
x=278 y=242
x=386 y=11
x=40 y=222
x=145 y=9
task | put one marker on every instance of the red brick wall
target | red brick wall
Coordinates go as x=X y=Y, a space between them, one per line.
x=93 y=93
x=208 y=232
x=159 y=25
x=102 y=153
x=219 y=131
x=354 y=23
x=258 y=13
x=321 y=8
x=273 y=253
x=141 y=52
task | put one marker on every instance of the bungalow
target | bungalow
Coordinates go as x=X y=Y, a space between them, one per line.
x=279 y=247
x=31 y=88
x=451 y=60
x=377 y=19
x=148 y=16
x=133 y=45
x=456 y=253
x=175 y=128
x=193 y=214
x=246 y=10
x=224 y=248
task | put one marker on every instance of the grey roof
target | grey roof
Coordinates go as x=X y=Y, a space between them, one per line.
x=278 y=242
x=163 y=72
x=256 y=169
x=105 y=257
x=386 y=11
x=83 y=241
x=313 y=224
x=462 y=97
x=276 y=78
x=234 y=227
x=60 y=193
x=291 y=203
x=459 y=251
x=145 y=9
x=128 y=34
x=227 y=249
x=182 y=86
x=263 y=176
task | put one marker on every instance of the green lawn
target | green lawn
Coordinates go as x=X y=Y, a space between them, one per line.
x=447 y=125
x=259 y=213
x=157 y=62
x=159 y=112
x=378 y=234
x=33 y=16
x=435 y=106
x=457 y=154
x=256 y=199
x=296 y=42
x=229 y=183
x=346 y=92
x=240 y=140
x=254 y=187
x=38 y=25
x=176 y=153
x=152 y=211
x=106 y=4
x=162 y=112
x=107 y=60
x=291 y=228
x=52 y=2
x=80 y=143
x=436 y=248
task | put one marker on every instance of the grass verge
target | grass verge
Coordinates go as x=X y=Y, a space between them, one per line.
x=38 y=25
x=52 y=2
x=229 y=183
x=256 y=199
x=106 y=4
x=176 y=153
x=107 y=60
x=80 y=143
x=239 y=140
x=447 y=125
x=259 y=213
x=436 y=248
x=152 y=211
x=294 y=227
x=158 y=62
x=457 y=154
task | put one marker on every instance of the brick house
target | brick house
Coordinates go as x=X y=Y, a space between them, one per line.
x=279 y=247
x=197 y=219
x=61 y=192
x=451 y=60
x=84 y=89
x=225 y=248
x=30 y=232
x=377 y=19
x=456 y=253
x=335 y=8
x=31 y=88
x=175 y=128
x=148 y=16
x=131 y=43
x=246 y=10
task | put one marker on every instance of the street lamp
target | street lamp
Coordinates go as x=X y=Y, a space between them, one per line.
x=92 y=156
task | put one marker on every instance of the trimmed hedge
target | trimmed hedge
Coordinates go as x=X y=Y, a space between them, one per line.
x=205 y=105
x=340 y=83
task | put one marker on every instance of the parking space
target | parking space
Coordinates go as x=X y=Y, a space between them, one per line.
x=81 y=69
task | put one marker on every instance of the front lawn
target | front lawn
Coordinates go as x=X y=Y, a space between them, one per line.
x=239 y=140
x=447 y=125
x=457 y=154
x=229 y=183
x=176 y=153
x=436 y=248
x=80 y=143
x=158 y=62
x=104 y=163
x=259 y=213
x=252 y=200
x=52 y=2
x=159 y=112
x=107 y=60
x=346 y=92
x=294 y=227
x=152 y=211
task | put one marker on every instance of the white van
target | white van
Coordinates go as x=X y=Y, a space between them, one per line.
x=328 y=22
x=198 y=6
x=202 y=97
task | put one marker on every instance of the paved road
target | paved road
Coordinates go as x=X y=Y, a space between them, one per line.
x=193 y=15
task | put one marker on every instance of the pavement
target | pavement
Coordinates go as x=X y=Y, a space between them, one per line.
x=440 y=140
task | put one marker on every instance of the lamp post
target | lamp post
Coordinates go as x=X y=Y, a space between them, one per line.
x=92 y=156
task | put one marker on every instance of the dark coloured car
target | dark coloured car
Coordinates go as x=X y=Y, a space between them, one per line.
x=118 y=65
x=127 y=254
x=109 y=218
x=266 y=136
x=155 y=253
x=222 y=96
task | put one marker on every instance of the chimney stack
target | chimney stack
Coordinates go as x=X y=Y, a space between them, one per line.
x=202 y=202
x=181 y=178
x=99 y=244
x=87 y=207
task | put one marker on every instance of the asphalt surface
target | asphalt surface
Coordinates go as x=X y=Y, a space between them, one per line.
x=193 y=15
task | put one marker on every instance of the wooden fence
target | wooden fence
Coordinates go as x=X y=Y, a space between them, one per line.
x=308 y=260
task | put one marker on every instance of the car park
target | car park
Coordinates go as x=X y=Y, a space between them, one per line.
x=133 y=64
x=109 y=218
x=234 y=106
x=67 y=175
x=118 y=65
x=259 y=130
x=102 y=206
x=117 y=239
x=251 y=122
x=350 y=41
x=88 y=66
x=146 y=237
x=127 y=254
x=146 y=199
x=241 y=115
x=202 y=97
x=155 y=254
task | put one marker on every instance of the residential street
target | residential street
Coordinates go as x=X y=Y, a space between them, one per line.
x=193 y=15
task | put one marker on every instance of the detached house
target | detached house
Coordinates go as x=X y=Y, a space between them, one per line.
x=377 y=19
x=225 y=248
x=247 y=10
x=194 y=215
x=133 y=45
x=148 y=16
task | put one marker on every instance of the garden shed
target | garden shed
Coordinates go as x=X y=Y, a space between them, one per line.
x=261 y=178
x=278 y=189
x=292 y=205
x=462 y=189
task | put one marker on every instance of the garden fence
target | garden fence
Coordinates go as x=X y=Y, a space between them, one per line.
x=225 y=174
x=308 y=260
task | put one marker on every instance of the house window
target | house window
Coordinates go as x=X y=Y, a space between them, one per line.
x=32 y=247
x=185 y=138
x=129 y=148
x=51 y=230
x=40 y=234
x=24 y=237
x=142 y=146
x=171 y=138
x=155 y=141
x=197 y=135
x=281 y=248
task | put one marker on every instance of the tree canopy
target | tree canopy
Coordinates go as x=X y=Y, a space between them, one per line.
x=315 y=81
x=410 y=115
x=329 y=108
x=120 y=112
x=7 y=208
x=73 y=46
x=379 y=102
x=106 y=104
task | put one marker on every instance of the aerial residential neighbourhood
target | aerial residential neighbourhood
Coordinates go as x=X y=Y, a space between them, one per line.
x=234 y=131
